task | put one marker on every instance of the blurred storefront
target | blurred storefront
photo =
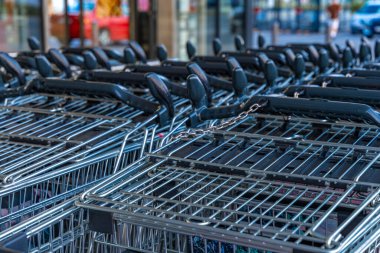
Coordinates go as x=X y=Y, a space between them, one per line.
x=18 y=20
x=172 y=22
x=296 y=15
x=200 y=21
x=110 y=18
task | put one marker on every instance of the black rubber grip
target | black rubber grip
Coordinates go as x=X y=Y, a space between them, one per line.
x=96 y=88
x=353 y=82
x=312 y=108
x=369 y=97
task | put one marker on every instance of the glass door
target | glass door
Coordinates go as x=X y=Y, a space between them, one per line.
x=286 y=12
x=264 y=14
x=231 y=21
x=192 y=25
x=308 y=15
x=19 y=19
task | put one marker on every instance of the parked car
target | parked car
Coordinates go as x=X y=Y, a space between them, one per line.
x=366 y=20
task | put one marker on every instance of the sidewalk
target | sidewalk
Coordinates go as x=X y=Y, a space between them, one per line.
x=285 y=38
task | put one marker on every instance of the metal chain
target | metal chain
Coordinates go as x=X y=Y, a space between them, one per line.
x=192 y=133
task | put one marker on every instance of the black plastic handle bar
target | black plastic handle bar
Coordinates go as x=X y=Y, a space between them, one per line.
x=131 y=78
x=353 y=82
x=370 y=97
x=361 y=72
x=60 y=61
x=312 y=108
x=94 y=88
x=12 y=67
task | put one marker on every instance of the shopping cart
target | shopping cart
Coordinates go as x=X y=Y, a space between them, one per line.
x=33 y=179
x=299 y=175
x=45 y=236
x=238 y=191
x=43 y=136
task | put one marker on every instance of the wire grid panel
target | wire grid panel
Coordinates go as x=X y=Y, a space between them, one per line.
x=65 y=235
x=282 y=156
x=370 y=240
x=59 y=229
x=198 y=202
x=24 y=200
x=310 y=129
x=39 y=130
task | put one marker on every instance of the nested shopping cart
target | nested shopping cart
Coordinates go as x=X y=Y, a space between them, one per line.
x=57 y=132
x=46 y=140
x=242 y=191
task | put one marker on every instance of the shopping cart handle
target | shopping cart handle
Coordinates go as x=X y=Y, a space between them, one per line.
x=314 y=55
x=129 y=56
x=129 y=78
x=347 y=57
x=43 y=66
x=232 y=63
x=270 y=73
x=12 y=67
x=74 y=59
x=102 y=57
x=316 y=108
x=334 y=51
x=240 y=82
x=160 y=92
x=220 y=112
x=276 y=56
x=370 y=97
x=162 y=52
x=245 y=60
x=361 y=72
x=350 y=44
x=261 y=41
x=239 y=43
x=295 y=62
x=175 y=88
x=323 y=60
x=215 y=67
x=312 y=108
x=193 y=68
x=174 y=71
x=190 y=49
x=197 y=93
x=216 y=46
x=182 y=71
x=289 y=56
x=33 y=43
x=299 y=66
x=94 y=88
x=138 y=50
x=60 y=60
x=342 y=81
x=113 y=54
x=377 y=49
x=364 y=52
x=89 y=60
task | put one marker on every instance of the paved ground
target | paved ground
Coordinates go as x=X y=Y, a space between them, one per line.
x=285 y=38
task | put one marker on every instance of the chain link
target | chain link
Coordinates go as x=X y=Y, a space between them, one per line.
x=192 y=133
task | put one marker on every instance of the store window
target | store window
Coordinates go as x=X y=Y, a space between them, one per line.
x=231 y=21
x=57 y=24
x=200 y=21
x=19 y=19
x=110 y=18
x=191 y=25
